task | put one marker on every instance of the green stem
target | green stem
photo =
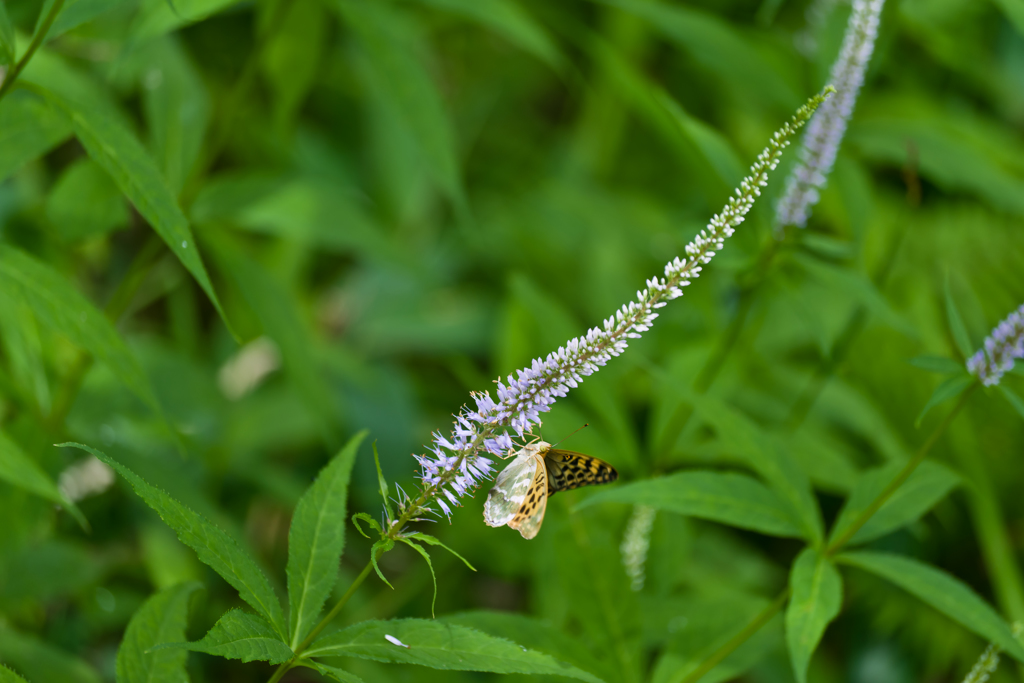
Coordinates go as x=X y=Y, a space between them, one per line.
x=900 y=478
x=283 y=668
x=37 y=40
x=729 y=647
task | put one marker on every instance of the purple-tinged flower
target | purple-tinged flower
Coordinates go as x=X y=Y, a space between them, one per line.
x=825 y=131
x=460 y=463
x=1001 y=349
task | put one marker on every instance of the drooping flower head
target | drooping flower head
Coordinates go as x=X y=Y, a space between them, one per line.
x=458 y=462
x=1001 y=349
x=825 y=131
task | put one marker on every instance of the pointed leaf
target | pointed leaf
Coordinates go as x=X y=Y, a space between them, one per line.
x=816 y=594
x=945 y=366
x=365 y=517
x=430 y=565
x=56 y=303
x=951 y=388
x=929 y=484
x=161 y=619
x=439 y=646
x=1016 y=401
x=384 y=545
x=213 y=546
x=316 y=540
x=239 y=635
x=332 y=672
x=383 y=483
x=430 y=540
x=956 y=324
x=115 y=148
x=18 y=469
x=734 y=499
x=942 y=591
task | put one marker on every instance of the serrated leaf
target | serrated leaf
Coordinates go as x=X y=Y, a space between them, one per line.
x=18 y=469
x=439 y=646
x=332 y=672
x=816 y=594
x=944 y=592
x=115 y=148
x=951 y=388
x=1016 y=401
x=728 y=498
x=430 y=565
x=430 y=540
x=161 y=619
x=946 y=366
x=363 y=516
x=6 y=675
x=384 y=545
x=392 y=47
x=509 y=20
x=213 y=546
x=929 y=484
x=56 y=303
x=29 y=127
x=316 y=540
x=956 y=324
x=41 y=662
x=239 y=635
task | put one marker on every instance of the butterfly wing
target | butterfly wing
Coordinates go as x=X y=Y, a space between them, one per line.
x=531 y=514
x=510 y=489
x=571 y=470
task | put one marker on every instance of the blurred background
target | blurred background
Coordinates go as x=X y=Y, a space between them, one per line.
x=399 y=201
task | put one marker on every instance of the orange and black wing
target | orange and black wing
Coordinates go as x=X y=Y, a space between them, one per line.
x=571 y=470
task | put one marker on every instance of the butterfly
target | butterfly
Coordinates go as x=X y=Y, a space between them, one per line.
x=520 y=494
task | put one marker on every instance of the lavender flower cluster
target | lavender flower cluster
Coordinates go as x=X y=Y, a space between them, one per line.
x=459 y=462
x=825 y=131
x=1002 y=347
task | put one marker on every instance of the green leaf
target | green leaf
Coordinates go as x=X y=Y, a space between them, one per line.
x=293 y=54
x=945 y=366
x=383 y=484
x=8 y=51
x=239 y=635
x=85 y=202
x=24 y=349
x=74 y=13
x=439 y=646
x=430 y=565
x=214 y=547
x=29 y=127
x=816 y=594
x=6 y=675
x=1014 y=11
x=363 y=516
x=384 y=545
x=951 y=388
x=18 y=469
x=394 y=64
x=929 y=483
x=115 y=148
x=506 y=18
x=734 y=499
x=55 y=302
x=332 y=672
x=41 y=662
x=1016 y=401
x=945 y=593
x=158 y=17
x=430 y=540
x=161 y=619
x=316 y=539
x=956 y=325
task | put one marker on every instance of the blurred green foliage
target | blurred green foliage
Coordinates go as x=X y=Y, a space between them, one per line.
x=235 y=234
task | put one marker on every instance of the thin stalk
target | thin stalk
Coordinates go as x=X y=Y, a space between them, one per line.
x=833 y=548
x=749 y=630
x=283 y=668
x=37 y=41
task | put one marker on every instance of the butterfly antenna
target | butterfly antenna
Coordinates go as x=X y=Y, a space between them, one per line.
x=585 y=424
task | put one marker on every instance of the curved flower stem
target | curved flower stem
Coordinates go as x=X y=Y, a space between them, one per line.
x=761 y=619
x=37 y=40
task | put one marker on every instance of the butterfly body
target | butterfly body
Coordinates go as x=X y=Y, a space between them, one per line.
x=520 y=494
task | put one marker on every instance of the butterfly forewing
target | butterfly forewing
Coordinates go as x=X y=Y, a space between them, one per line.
x=531 y=514
x=571 y=470
x=510 y=489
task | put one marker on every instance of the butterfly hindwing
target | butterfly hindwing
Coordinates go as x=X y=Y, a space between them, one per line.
x=510 y=490
x=571 y=470
x=531 y=514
